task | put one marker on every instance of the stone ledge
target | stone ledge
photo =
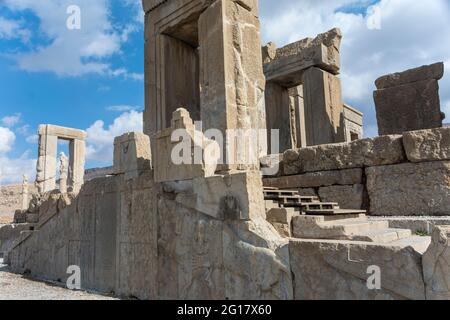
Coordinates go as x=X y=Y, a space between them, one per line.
x=427 y=145
x=379 y=151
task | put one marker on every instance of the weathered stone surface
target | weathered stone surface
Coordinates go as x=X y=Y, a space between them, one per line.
x=409 y=189
x=278 y=115
x=436 y=265
x=292 y=60
x=348 y=197
x=132 y=154
x=408 y=107
x=46 y=164
x=353 y=124
x=317 y=179
x=179 y=151
x=338 y=270
x=235 y=196
x=427 y=145
x=421 y=225
x=11 y=199
x=324 y=109
x=434 y=71
x=378 y=151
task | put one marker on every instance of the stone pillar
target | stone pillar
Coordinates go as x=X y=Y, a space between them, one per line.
x=231 y=75
x=323 y=107
x=46 y=164
x=63 y=173
x=25 y=200
x=77 y=150
x=132 y=155
x=278 y=115
x=298 y=117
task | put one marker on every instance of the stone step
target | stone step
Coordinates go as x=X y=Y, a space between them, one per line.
x=270 y=204
x=281 y=215
x=334 y=212
x=384 y=235
x=418 y=243
x=306 y=227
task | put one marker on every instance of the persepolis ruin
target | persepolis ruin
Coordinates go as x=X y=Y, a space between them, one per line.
x=336 y=204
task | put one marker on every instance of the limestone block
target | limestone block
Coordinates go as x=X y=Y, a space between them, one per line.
x=278 y=117
x=183 y=142
x=379 y=151
x=77 y=149
x=427 y=145
x=434 y=71
x=324 y=107
x=231 y=74
x=317 y=179
x=292 y=60
x=338 y=270
x=271 y=165
x=408 y=107
x=256 y=262
x=235 y=196
x=436 y=265
x=62 y=132
x=409 y=189
x=348 y=197
x=132 y=154
x=46 y=164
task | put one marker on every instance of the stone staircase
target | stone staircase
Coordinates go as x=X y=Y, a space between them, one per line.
x=306 y=217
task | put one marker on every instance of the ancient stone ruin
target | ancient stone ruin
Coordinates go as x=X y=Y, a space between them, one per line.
x=409 y=100
x=334 y=207
x=47 y=158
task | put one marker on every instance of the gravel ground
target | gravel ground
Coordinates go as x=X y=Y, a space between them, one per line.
x=16 y=287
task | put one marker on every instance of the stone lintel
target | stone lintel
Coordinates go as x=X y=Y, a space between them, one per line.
x=62 y=132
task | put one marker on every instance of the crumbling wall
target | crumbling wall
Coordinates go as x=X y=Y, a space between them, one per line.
x=396 y=175
x=132 y=238
x=11 y=200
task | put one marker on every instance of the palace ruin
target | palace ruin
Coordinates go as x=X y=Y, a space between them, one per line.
x=337 y=205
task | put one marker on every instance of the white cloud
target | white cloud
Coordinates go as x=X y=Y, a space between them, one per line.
x=12 y=169
x=12 y=29
x=411 y=35
x=11 y=121
x=33 y=139
x=7 y=138
x=73 y=52
x=122 y=108
x=100 y=140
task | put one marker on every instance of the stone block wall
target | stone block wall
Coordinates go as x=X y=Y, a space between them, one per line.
x=135 y=238
x=396 y=175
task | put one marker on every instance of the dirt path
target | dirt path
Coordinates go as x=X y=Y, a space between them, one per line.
x=16 y=287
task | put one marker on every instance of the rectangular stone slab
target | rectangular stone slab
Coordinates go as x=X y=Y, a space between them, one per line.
x=408 y=107
x=410 y=189
x=434 y=71
x=427 y=145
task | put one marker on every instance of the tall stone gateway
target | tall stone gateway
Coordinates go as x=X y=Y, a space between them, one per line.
x=304 y=95
x=47 y=154
x=204 y=56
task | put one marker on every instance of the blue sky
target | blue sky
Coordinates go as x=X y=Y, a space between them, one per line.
x=92 y=78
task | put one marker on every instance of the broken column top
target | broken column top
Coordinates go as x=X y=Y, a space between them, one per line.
x=150 y=5
x=433 y=71
x=330 y=38
x=285 y=65
x=62 y=132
